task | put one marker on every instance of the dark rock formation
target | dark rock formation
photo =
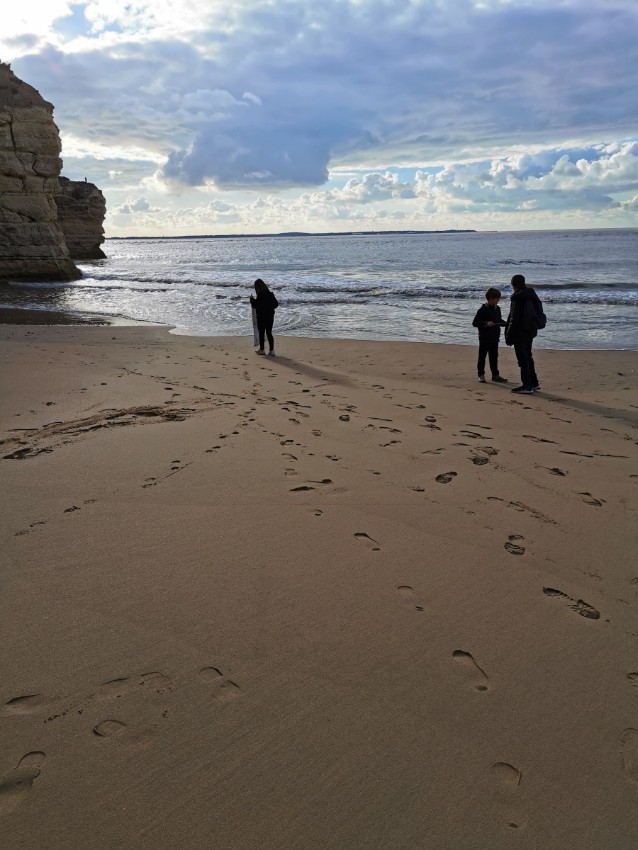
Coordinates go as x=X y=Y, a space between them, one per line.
x=81 y=210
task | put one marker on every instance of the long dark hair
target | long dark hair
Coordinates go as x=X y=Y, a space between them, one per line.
x=260 y=287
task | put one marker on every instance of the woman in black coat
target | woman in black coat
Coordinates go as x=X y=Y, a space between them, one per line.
x=265 y=305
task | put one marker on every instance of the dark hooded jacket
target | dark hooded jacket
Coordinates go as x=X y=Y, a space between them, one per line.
x=265 y=304
x=520 y=325
x=488 y=313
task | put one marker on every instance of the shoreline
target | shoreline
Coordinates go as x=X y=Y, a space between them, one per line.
x=347 y=579
x=54 y=318
x=50 y=318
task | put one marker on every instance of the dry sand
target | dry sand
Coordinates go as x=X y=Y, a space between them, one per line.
x=345 y=598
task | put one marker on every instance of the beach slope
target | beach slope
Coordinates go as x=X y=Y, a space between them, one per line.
x=343 y=598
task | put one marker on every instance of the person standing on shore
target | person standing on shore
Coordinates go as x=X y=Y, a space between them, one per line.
x=265 y=304
x=489 y=322
x=526 y=318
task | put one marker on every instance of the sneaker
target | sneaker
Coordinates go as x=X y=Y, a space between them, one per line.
x=536 y=388
x=271 y=353
x=261 y=351
x=523 y=390
x=499 y=380
x=481 y=379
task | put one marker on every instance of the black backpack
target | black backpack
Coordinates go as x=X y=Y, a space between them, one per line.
x=539 y=319
x=535 y=319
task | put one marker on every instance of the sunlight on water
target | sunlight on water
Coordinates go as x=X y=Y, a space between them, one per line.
x=405 y=287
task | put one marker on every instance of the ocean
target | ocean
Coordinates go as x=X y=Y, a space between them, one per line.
x=411 y=287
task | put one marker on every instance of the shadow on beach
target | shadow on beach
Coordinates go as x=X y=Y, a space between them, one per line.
x=311 y=371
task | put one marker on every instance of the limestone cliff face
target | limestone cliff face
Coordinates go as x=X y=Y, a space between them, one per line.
x=81 y=210
x=32 y=244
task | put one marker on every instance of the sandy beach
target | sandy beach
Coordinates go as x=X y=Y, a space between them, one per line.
x=343 y=598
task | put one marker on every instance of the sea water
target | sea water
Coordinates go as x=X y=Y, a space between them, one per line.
x=416 y=287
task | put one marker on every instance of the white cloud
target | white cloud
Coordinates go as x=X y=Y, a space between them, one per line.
x=534 y=189
x=276 y=95
x=373 y=187
x=81 y=147
x=31 y=16
x=139 y=205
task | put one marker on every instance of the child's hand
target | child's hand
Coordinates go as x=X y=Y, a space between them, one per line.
x=490 y=324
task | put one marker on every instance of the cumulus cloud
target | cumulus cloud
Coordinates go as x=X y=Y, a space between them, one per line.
x=535 y=188
x=438 y=108
x=139 y=205
x=373 y=187
x=258 y=94
x=553 y=179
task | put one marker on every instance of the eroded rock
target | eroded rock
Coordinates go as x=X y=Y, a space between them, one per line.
x=81 y=210
x=32 y=243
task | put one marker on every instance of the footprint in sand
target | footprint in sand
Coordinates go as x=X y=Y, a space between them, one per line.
x=120 y=732
x=629 y=741
x=407 y=593
x=515 y=548
x=445 y=477
x=17 y=784
x=480 y=682
x=578 y=454
x=116 y=688
x=505 y=780
x=156 y=681
x=579 y=606
x=588 y=499
x=27 y=704
x=538 y=439
x=109 y=728
x=479 y=461
x=370 y=542
x=224 y=688
x=554 y=470
x=113 y=689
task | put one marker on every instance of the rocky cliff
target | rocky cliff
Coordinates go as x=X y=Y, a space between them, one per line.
x=81 y=210
x=32 y=242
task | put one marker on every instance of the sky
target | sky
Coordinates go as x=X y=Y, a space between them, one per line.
x=269 y=116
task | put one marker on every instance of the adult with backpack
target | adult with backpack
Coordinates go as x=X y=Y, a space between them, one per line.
x=526 y=318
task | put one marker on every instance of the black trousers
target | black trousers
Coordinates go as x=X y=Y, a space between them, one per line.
x=264 y=326
x=488 y=348
x=523 y=350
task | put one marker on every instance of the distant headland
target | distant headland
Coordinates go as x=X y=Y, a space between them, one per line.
x=300 y=233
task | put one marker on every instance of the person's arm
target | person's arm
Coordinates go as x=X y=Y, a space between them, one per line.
x=275 y=303
x=512 y=322
x=253 y=301
x=479 y=319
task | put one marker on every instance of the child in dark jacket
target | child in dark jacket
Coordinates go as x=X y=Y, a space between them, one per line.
x=489 y=322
